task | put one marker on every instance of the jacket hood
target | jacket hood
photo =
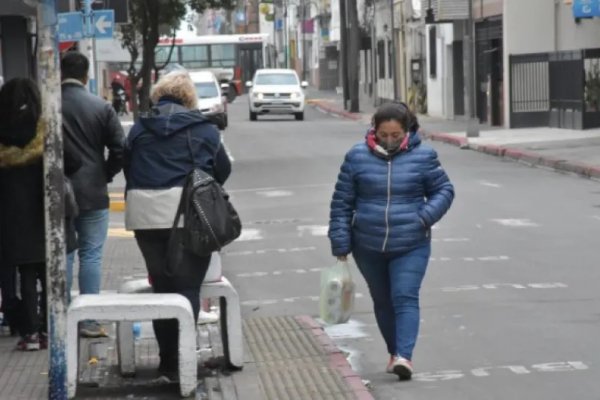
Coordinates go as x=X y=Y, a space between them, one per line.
x=170 y=117
x=14 y=156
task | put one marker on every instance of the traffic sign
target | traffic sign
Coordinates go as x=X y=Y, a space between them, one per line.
x=70 y=27
x=586 y=8
x=104 y=24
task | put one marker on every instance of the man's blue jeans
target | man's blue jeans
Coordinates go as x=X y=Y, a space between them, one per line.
x=394 y=281
x=92 y=228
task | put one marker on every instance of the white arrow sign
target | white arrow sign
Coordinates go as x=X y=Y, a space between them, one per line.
x=102 y=24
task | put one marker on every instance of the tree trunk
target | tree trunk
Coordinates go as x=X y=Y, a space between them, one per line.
x=134 y=98
x=149 y=43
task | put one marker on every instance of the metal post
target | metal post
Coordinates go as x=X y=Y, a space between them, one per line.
x=304 y=40
x=286 y=34
x=56 y=286
x=394 y=51
x=87 y=45
x=470 y=78
x=344 y=51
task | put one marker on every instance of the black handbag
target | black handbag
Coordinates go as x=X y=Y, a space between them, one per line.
x=210 y=221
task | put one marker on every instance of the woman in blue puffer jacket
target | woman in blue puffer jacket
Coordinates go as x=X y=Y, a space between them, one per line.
x=390 y=191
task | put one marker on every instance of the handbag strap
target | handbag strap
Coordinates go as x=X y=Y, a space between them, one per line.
x=172 y=236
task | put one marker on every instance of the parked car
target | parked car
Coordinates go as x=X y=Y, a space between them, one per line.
x=276 y=91
x=212 y=102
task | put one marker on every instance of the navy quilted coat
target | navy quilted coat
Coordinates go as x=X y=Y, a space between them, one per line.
x=388 y=203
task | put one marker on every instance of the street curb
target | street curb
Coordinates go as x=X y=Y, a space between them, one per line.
x=525 y=157
x=522 y=156
x=337 y=359
x=324 y=107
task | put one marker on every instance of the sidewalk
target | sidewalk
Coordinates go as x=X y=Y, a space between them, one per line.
x=287 y=357
x=562 y=150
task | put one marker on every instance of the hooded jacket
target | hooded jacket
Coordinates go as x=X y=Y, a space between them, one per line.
x=22 y=233
x=388 y=202
x=158 y=159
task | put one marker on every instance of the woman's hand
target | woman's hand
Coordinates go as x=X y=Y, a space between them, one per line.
x=342 y=258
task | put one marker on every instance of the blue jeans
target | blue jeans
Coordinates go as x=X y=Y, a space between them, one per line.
x=394 y=281
x=92 y=229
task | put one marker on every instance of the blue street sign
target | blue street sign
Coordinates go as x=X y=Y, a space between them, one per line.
x=586 y=8
x=279 y=24
x=70 y=27
x=104 y=24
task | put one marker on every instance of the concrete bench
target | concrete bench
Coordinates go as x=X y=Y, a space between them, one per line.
x=230 y=318
x=134 y=307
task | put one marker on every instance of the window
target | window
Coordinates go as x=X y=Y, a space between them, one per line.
x=381 y=58
x=432 y=52
x=194 y=56
x=276 y=79
x=162 y=53
x=222 y=55
x=206 y=90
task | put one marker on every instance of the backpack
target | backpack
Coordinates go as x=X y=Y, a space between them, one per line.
x=210 y=221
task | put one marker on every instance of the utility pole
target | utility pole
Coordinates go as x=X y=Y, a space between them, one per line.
x=54 y=206
x=344 y=51
x=470 y=78
x=394 y=50
x=304 y=63
x=353 y=54
x=286 y=34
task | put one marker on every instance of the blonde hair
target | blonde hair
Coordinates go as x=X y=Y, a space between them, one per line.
x=179 y=85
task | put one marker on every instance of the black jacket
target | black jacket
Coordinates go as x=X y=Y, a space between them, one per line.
x=22 y=233
x=92 y=126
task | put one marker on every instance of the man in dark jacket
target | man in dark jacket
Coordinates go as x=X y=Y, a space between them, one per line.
x=93 y=127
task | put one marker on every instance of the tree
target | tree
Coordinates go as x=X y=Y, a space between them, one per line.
x=141 y=36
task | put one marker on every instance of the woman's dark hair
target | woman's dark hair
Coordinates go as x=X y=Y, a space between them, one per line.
x=20 y=109
x=396 y=111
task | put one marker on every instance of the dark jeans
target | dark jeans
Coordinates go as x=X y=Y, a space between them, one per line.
x=394 y=281
x=33 y=314
x=186 y=280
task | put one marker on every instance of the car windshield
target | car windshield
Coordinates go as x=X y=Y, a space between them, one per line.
x=276 y=79
x=206 y=90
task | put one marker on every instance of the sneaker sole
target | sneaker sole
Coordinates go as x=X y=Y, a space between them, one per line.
x=32 y=347
x=404 y=374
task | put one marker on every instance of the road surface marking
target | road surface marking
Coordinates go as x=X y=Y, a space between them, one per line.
x=250 y=234
x=483 y=372
x=515 y=222
x=264 y=189
x=483 y=258
x=275 y=193
x=493 y=286
x=266 y=251
x=490 y=184
x=314 y=230
x=269 y=302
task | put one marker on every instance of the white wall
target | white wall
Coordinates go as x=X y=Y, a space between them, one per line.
x=555 y=30
x=437 y=87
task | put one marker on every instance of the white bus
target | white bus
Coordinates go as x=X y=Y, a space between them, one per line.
x=232 y=58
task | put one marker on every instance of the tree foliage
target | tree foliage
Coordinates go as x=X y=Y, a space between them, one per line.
x=148 y=19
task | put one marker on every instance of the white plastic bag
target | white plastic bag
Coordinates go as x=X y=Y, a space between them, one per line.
x=337 y=293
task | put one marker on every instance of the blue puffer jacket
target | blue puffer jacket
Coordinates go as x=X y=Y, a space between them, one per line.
x=388 y=203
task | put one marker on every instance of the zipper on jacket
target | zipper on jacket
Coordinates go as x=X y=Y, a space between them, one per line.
x=387 y=207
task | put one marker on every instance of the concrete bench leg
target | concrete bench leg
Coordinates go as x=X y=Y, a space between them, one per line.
x=126 y=348
x=72 y=346
x=231 y=319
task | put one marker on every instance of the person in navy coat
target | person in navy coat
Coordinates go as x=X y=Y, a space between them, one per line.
x=390 y=191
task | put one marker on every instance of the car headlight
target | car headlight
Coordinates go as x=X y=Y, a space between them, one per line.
x=258 y=96
x=217 y=108
x=296 y=95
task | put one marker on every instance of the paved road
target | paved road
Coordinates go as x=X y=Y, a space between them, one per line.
x=510 y=305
